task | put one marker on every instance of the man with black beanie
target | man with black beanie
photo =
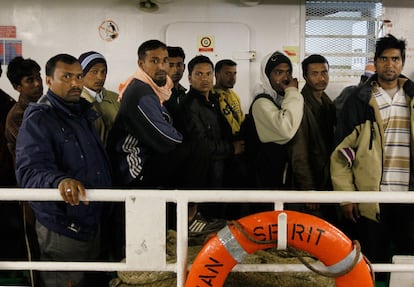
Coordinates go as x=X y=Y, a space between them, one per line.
x=105 y=102
x=274 y=117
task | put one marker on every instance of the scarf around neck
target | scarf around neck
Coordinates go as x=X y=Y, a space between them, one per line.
x=163 y=93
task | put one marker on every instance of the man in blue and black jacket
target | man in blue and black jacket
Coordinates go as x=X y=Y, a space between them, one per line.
x=57 y=147
x=146 y=150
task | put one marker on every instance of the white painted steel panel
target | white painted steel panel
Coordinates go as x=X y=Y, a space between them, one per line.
x=229 y=40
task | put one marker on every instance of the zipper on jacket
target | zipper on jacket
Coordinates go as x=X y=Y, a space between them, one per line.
x=372 y=136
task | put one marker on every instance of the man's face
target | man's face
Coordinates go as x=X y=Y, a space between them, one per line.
x=201 y=78
x=389 y=65
x=155 y=64
x=280 y=73
x=317 y=76
x=176 y=69
x=67 y=81
x=95 y=77
x=226 y=78
x=31 y=86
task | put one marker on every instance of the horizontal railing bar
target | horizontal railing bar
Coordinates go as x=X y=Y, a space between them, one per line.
x=252 y=196
x=383 y=267
x=120 y=266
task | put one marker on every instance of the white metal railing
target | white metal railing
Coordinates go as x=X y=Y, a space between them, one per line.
x=145 y=212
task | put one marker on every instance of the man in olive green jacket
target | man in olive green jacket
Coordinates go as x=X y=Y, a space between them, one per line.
x=105 y=102
x=374 y=153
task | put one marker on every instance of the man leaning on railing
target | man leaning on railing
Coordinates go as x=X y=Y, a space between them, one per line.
x=57 y=147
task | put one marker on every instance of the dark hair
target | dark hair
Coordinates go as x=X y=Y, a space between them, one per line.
x=19 y=68
x=389 y=42
x=149 y=46
x=200 y=59
x=65 y=58
x=226 y=62
x=174 y=52
x=312 y=59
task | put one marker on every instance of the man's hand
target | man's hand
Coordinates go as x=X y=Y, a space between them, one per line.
x=71 y=191
x=351 y=211
x=291 y=82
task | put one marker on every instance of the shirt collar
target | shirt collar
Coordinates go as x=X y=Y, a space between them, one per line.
x=97 y=96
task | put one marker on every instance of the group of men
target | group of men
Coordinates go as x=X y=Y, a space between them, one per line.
x=155 y=134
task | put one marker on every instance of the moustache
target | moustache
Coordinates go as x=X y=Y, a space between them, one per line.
x=161 y=73
x=77 y=90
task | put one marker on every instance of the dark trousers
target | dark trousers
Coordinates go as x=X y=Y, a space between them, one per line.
x=230 y=173
x=12 y=241
x=392 y=235
x=56 y=247
x=398 y=221
x=185 y=167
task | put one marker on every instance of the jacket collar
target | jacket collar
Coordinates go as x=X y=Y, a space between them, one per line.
x=213 y=96
x=80 y=109
x=364 y=91
x=310 y=99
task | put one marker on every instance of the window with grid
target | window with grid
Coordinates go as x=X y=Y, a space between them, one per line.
x=344 y=32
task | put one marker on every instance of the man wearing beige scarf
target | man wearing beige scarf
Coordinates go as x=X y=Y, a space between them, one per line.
x=146 y=150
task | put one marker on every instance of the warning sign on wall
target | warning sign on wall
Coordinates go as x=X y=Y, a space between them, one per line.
x=7 y=31
x=108 y=30
x=206 y=43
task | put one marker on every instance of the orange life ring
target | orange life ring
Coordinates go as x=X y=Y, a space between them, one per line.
x=306 y=232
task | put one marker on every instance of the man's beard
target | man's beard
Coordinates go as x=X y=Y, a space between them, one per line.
x=161 y=82
x=388 y=78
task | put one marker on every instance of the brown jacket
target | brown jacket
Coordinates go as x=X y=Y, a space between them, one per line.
x=7 y=177
x=13 y=122
x=310 y=149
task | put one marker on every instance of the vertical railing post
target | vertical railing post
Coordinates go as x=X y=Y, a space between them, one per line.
x=145 y=244
x=182 y=239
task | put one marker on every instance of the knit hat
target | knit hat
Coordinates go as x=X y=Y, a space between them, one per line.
x=277 y=58
x=369 y=68
x=89 y=59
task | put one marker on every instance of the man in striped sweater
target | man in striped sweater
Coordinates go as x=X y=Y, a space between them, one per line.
x=374 y=136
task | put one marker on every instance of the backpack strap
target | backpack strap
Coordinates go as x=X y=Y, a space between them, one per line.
x=263 y=95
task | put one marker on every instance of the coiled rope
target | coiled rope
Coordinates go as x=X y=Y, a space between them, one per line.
x=294 y=252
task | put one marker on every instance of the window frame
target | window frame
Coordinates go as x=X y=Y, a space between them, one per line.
x=354 y=61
